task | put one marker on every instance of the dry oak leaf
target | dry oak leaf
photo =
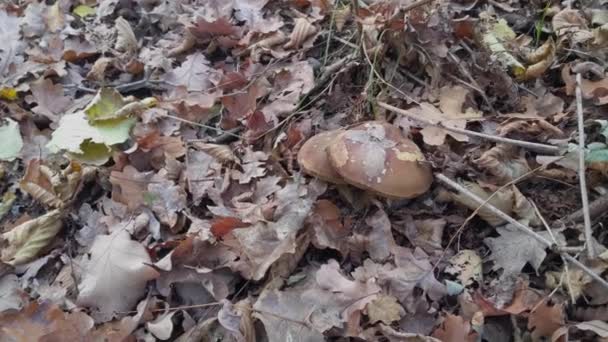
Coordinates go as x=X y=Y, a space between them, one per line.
x=455 y=329
x=129 y=186
x=302 y=30
x=194 y=74
x=450 y=114
x=505 y=162
x=514 y=248
x=545 y=320
x=596 y=90
x=50 y=100
x=44 y=322
x=116 y=274
x=385 y=309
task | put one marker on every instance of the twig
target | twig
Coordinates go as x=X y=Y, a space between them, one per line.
x=581 y=169
x=416 y=4
x=566 y=273
x=445 y=180
x=550 y=149
x=596 y=208
x=201 y=125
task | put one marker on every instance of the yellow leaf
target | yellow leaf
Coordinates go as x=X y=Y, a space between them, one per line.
x=9 y=94
x=83 y=11
x=27 y=239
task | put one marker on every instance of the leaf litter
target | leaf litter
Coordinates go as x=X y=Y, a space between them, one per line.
x=151 y=187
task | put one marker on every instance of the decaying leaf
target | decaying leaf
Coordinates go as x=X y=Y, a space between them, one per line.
x=501 y=200
x=44 y=321
x=301 y=31
x=546 y=319
x=385 y=309
x=223 y=153
x=125 y=39
x=117 y=265
x=455 y=329
x=11 y=139
x=466 y=266
x=514 y=248
x=25 y=241
x=504 y=162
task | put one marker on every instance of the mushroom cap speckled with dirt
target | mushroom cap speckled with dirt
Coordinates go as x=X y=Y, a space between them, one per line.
x=375 y=156
x=313 y=160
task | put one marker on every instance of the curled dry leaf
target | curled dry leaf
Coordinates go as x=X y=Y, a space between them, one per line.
x=504 y=162
x=568 y=20
x=502 y=200
x=541 y=60
x=302 y=30
x=341 y=15
x=385 y=309
x=29 y=238
x=125 y=39
x=223 y=153
x=38 y=184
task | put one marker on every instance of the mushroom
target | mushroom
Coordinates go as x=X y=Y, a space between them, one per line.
x=375 y=156
x=312 y=157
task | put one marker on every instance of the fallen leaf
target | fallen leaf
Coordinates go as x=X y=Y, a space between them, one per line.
x=28 y=239
x=455 y=329
x=11 y=295
x=466 y=265
x=600 y=328
x=167 y=200
x=194 y=74
x=11 y=137
x=502 y=200
x=504 y=162
x=545 y=320
x=223 y=225
x=302 y=30
x=49 y=98
x=115 y=275
x=385 y=309
x=44 y=322
x=513 y=249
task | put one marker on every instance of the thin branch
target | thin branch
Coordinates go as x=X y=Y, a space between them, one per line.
x=581 y=169
x=450 y=183
x=416 y=5
x=550 y=149
x=201 y=125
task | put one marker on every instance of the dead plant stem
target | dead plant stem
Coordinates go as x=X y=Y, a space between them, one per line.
x=581 y=169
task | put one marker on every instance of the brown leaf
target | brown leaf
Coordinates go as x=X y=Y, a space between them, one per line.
x=385 y=309
x=222 y=226
x=44 y=322
x=194 y=74
x=49 y=98
x=38 y=185
x=302 y=30
x=129 y=186
x=546 y=319
x=455 y=329
x=222 y=153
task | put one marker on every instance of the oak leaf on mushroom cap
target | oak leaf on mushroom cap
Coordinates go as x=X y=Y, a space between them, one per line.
x=313 y=160
x=375 y=156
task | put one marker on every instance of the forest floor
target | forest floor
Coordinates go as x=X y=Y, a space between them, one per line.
x=152 y=186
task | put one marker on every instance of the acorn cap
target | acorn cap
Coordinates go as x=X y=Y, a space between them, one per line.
x=375 y=156
x=313 y=160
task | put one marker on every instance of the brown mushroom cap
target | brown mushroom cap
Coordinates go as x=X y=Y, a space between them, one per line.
x=312 y=157
x=375 y=156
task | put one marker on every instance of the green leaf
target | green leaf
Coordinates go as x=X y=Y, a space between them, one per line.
x=83 y=11
x=597 y=156
x=10 y=136
x=86 y=142
x=105 y=105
